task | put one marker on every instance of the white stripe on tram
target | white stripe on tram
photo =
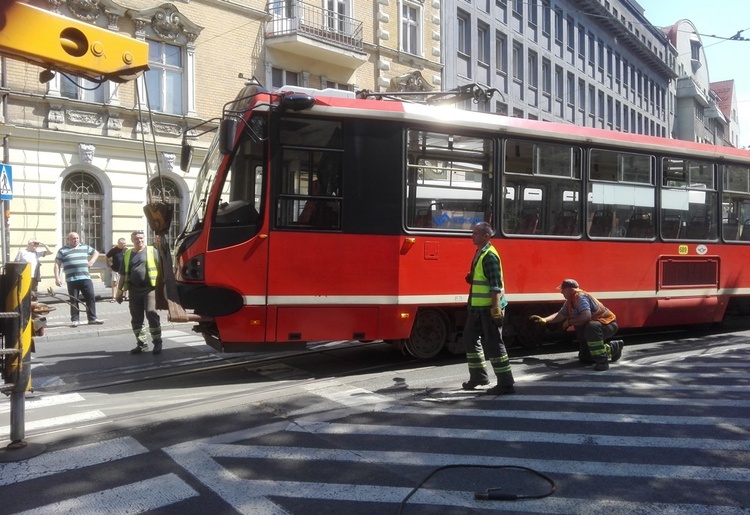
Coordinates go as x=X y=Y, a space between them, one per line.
x=462 y=297
x=149 y=494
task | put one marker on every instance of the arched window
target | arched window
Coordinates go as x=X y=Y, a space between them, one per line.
x=171 y=196
x=82 y=202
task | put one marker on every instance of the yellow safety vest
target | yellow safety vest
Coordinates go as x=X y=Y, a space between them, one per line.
x=481 y=294
x=151 y=269
x=600 y=314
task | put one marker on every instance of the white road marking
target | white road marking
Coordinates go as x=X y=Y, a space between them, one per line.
x=149 y=494
x=52 y=422
x=493 y=435
x=593 y=468
x=255 y=496
x=45 y=401
x=73 y=458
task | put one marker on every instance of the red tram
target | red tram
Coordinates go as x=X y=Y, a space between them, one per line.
x=320 y=216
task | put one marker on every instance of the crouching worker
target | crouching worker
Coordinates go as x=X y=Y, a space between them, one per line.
x=593 y=322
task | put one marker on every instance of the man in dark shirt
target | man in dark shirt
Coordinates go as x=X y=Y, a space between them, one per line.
x=138 y=273
x=114 y=260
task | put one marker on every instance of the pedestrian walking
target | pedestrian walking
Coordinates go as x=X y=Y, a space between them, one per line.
x=482 y=335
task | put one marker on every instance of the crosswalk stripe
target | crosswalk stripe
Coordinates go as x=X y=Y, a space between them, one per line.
x=578 y=416
x=46 y=401
x=591 y=468
x=497 y=435
x=73 y=458
x=64 y=420
x=253 y=496
x=149 y=494
x=598 y=399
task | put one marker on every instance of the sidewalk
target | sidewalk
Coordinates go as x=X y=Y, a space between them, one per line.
x=116 y=318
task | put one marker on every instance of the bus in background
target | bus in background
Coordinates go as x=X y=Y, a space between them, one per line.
x=320 y=216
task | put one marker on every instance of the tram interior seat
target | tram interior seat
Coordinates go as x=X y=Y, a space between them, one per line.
x=641 y=225
x=671 y=226
x=745 y=236
x=730 y=228
x=697 y=229
x=423 y=218
x=601 y=223
x=529 y=221
x=567 y=223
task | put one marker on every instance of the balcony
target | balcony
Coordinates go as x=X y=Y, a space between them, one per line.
x=313 y=32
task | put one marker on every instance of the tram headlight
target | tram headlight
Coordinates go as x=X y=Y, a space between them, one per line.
x=193 y=269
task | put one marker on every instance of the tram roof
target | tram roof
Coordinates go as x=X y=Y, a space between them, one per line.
x=454 y=118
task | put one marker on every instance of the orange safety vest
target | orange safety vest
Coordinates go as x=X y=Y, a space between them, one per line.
x=601 y=314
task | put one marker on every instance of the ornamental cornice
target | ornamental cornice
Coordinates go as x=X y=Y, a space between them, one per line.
x=166 y=21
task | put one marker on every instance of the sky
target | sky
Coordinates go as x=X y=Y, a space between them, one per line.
x=725 y=59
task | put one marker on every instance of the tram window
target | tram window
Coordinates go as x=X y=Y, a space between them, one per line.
x=240 y=201
x=310 y=175
x=542 y=189
x=689 y=200
x=621 y=195
x=735 y=216
x=448 y=181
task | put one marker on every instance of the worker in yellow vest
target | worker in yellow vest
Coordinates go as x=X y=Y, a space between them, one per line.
x=482 y=334
x=138 y=272
x=593 y=322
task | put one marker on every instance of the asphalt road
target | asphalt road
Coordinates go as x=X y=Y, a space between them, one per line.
x=665 y=430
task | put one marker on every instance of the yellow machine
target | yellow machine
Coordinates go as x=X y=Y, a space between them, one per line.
x=58 y=43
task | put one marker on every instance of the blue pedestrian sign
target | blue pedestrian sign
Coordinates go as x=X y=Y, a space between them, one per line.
x=6 y=182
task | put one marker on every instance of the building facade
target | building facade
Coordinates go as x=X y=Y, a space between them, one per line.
x=705 y=112
x=587 y=62
x=87 y=156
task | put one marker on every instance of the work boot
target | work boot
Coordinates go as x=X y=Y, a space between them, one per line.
x=157 y=348
x=501 y=390
x=615 y=347
x=601 y=366
x=471 y=384
x=140 y=347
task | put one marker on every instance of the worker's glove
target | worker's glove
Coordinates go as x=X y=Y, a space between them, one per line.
x=468 y=278
x=497 y=316
x=536 y=319
x=118 y=297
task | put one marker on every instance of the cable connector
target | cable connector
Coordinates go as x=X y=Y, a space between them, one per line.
x=492 y=494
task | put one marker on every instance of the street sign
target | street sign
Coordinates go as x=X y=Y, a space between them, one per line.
x=6 y=182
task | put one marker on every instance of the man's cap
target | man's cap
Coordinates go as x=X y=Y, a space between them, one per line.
x=568 y=283
x=33 y=240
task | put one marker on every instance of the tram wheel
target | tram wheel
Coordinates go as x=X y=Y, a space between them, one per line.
x=429 y=334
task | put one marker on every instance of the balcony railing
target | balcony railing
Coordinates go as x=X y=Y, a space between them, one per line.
x=293 y=17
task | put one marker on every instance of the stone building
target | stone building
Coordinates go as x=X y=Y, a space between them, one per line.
x=588 y=62
x=704 y=112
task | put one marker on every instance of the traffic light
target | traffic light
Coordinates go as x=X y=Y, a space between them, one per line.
x=59 y=43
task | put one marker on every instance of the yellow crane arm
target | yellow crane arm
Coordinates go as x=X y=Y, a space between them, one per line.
x=31 y=34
